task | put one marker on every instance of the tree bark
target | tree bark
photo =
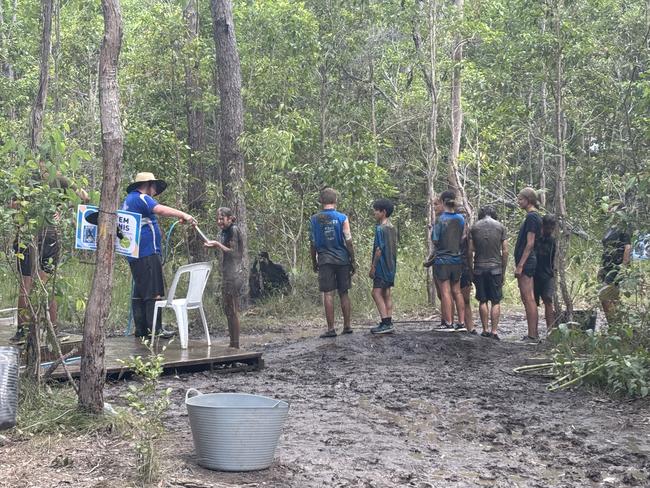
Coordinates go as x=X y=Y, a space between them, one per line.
x=36 y=119
x=93 y=372
x=231 y=122
x=457 y=115
x=428 y=67
x=197 y=173
x=560 y=184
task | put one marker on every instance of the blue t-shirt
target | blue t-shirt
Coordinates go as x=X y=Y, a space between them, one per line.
x=150 y=237
x=327 y=237
x=447 y=234
x=386 y=240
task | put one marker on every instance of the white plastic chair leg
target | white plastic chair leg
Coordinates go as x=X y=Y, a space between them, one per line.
x=205 y=325
x=181 y=318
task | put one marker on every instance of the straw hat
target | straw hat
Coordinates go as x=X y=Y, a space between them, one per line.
x=146 y=178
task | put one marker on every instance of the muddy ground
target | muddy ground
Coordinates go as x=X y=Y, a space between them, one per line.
x=419 y=408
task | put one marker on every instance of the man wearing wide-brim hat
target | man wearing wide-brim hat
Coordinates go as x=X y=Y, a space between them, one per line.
x=147 y=269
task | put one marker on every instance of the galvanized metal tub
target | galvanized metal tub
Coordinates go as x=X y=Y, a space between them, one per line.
x=9 y=374
x=235 y=431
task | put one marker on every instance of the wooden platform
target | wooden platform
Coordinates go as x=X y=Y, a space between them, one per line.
x=198 y=355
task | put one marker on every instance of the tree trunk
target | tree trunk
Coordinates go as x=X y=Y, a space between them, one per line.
x=560 y=186
x=93 y=373
x=231 y=118
x=457 y=115
x=428 y=67
x=542 y=132
x=36 y=120
x=197 y=174
x=6 y=69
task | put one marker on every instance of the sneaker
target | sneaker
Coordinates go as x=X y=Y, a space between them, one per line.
x=458 y=326
x=382 y=329
x=328 y=334
x=347 y=331
x=19 y=337
x=485 y=333
x=495 y=336
x=445 y=326
x=165 y=334
x=473 y=332
x=530 y=340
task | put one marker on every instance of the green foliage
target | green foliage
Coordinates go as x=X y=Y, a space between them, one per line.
x=54 y=411
x=148 y=404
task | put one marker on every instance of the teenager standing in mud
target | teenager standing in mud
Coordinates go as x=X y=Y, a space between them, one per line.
x=384 y=265
x=332 y=256
x=231 y=245
x=526 y=258
x=544 y=280
x=446 y=237
x=489 y=251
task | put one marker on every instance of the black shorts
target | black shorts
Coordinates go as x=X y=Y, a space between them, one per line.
x=489 y=286
x=448 y=272
x=148 y=277
x=334 y=277
x=544 y=287
x=49 y=249
x=381 y=283
x=465 y=278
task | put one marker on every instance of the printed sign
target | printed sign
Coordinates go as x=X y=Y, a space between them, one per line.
x=128 y=223
x=641 y=249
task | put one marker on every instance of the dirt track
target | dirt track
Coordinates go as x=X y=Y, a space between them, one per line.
x=419 y=408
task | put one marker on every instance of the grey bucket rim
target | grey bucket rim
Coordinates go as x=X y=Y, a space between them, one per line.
x=188 y=398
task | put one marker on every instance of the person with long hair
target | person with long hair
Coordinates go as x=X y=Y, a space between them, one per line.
x=448 y=264
x=526 y=258
x=231 y=244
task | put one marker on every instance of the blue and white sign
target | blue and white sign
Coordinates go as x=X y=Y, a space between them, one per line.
x=128 y=244
x=641 y=248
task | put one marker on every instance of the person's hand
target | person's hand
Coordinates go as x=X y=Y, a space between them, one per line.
x=83 y=195
x=371 y=273
x=353 y=267
x=519 y=270
x=314 y=266
x=211 y=244
x=188 y=219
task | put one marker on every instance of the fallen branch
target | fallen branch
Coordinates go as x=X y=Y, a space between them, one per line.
x=55 y=364
x=557 y=385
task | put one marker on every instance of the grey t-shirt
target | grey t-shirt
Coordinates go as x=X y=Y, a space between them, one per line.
x=487 y=236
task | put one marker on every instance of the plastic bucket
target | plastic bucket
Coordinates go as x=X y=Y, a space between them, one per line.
x=235 y=431
x=9 y=373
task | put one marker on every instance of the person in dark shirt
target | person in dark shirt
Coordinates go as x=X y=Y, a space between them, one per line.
x=489 y=252
x=448 y=263
x=617 y=251
x=466 y=274
x=544 y=279
x=231 y=244
x=526 y=258
x=384 y=265
x=332 y=255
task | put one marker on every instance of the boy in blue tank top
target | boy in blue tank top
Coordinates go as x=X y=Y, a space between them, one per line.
x=332 y=257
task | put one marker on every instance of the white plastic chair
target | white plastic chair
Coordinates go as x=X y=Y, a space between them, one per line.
x=199 y=273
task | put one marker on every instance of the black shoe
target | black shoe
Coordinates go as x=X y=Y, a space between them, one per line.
x=485 y=333
x=473 y=332
x=445 y=326
x=328 y=334
x=458 y=326
x=165 y=334
x=347 y=331
x=495 y=336
x=19 y=337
